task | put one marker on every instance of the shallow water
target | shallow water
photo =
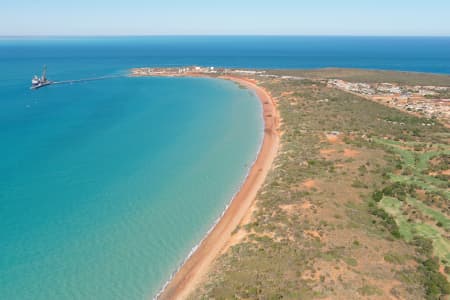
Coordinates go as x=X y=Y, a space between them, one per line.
x=106 y=186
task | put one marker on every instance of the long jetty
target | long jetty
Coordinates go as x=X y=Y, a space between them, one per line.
x=86 y=79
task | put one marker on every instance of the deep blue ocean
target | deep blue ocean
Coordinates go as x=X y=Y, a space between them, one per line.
x=106 y=186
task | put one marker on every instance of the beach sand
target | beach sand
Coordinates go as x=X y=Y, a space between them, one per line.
x=190 y=275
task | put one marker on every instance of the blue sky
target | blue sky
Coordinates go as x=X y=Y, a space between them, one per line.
x=288 y=17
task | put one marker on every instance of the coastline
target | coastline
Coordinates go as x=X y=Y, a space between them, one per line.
x=197 y=264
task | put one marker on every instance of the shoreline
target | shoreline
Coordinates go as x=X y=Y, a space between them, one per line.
x=219 y=237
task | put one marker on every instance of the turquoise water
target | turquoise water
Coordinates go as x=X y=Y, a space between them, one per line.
x=106 y=186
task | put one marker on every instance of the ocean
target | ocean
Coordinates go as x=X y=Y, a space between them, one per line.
x=106 y=186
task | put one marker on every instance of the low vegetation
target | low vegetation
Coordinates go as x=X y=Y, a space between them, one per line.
x=356 y=207
x=370 y=76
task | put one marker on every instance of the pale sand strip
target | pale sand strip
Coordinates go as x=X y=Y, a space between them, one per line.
x=190 y=275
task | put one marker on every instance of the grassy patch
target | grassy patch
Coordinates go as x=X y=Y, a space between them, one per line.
x=395 y=258
x=370 y=290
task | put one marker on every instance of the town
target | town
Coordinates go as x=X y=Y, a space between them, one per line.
x=191 y=71
x=432 y=102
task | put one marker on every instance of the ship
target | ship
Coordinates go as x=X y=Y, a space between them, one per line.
x=38 y=82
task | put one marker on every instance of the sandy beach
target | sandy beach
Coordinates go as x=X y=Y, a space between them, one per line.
x=196 y=267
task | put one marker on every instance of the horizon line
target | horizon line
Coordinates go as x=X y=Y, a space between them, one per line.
x=216 y=35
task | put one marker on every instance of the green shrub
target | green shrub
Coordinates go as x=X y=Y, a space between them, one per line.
x=388 y=220
x=447 y=270
x=434 y=282
x=377 y=196
x=399 y=190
